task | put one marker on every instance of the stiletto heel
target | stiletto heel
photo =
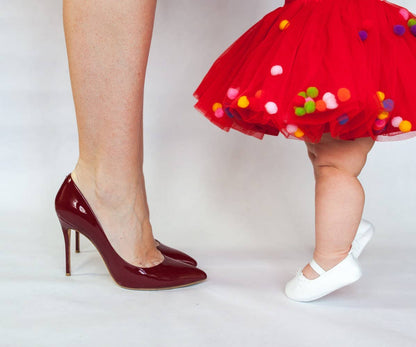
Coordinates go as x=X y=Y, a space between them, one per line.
x=67 y=238
x=76 y=241
x=74 y=213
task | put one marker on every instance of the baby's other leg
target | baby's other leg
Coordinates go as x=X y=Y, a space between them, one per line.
x=339 y=197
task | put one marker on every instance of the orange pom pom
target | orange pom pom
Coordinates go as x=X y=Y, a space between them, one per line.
x=216 y=106
x=243 y=102
x=321 y=105
x=405 y=126
x=344 y=94
x=299 y=133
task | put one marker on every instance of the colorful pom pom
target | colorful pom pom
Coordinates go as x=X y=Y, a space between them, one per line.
x=299 y=100
x=276 y=70
x=219 y=113
x=291 y=128
x=258 y=94
x=396 y=121
x=388 y=105
x=405 y=126
x=312 y=92
x=321 y=106
x=216 y=106
x=363 y=35
x=300 y=111
x=399 y=30
x=405 y=13
x=284 y=24
x=343 y=119
x=299 y=133
x=271 y=107
x=413 y=30
x=228 y=112
x=310 y=107
x=379 y=124
x=243 y=102
x=383 y=115
x=381 y=96
x=411 y=22
x=232 y=93
x=330 y=101
x=303 y=94
x=344 y=94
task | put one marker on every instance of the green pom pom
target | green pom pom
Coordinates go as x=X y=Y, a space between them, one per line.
x=303 y=94
x=300 y=111
x=310 y=107
x=411 y=22
x=312 y=92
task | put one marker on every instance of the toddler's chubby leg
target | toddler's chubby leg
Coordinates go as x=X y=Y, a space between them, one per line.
x=339 y=197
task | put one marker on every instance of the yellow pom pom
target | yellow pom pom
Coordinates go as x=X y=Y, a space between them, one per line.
x=383 y=115
x=243 y=102
x=405 y=126
x=284 y=24
x=381 y=95
x=216 y=106
x=299 y=133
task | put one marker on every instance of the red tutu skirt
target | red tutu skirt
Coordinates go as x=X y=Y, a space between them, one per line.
x=344 y=67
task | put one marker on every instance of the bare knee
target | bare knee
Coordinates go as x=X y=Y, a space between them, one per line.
x=346 y=157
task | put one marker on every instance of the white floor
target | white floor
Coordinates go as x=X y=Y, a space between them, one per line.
x=241 y=304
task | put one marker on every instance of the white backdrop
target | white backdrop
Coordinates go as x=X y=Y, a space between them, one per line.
x=232 y=201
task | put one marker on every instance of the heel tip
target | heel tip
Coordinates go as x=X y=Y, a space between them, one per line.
x=77 y=251
x=68 y=274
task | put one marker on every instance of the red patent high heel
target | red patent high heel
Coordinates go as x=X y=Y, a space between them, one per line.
x=74 y=213
x=165 y=250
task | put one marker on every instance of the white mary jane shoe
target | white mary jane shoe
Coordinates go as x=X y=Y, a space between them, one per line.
x=302 y=289
x=364 y=234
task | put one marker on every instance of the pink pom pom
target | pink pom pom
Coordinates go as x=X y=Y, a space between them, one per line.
x=330 y=101
x=232 y=93
x=379 y=124
x=405 y=13
x=291 y=128
x=396 y=121
x=271 y=107
x=309 y=99
x=219 y=113
x=276 y=70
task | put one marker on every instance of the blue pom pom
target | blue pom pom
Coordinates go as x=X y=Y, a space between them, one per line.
x=363 y=35
x=399 y=30
x=228 y=112
x=343 y=119
x=388 y=105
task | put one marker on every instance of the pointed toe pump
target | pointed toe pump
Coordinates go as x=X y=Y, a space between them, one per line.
x=165 y=250
x=74 y=213
x=176 y=254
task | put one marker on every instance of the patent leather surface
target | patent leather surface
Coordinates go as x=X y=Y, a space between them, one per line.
x=74 y=213
x=176 y=254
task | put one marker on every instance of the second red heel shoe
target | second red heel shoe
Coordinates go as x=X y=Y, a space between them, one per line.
x=74 y=213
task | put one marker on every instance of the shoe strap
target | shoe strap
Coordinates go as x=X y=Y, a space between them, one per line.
x=314 y=265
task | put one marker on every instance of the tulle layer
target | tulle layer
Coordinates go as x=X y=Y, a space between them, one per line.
x=347 y=67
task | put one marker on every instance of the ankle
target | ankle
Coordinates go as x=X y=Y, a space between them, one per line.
x=107 y=189
x=328 y=260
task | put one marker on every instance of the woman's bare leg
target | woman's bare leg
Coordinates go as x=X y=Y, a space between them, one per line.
x=108 y=45
x=339 y=197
